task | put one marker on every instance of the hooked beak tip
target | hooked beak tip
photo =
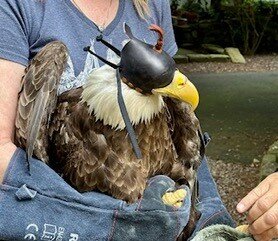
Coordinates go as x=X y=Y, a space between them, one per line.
x=182 y=89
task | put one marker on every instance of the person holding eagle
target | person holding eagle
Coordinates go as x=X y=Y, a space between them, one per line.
x=114 y=120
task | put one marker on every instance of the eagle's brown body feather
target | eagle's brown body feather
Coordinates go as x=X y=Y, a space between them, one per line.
x=94 y=156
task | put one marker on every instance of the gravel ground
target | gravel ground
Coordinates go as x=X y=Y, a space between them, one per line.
x=234 y=180
x=258 y=63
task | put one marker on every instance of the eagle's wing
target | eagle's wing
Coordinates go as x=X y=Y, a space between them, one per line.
x=37 y=99
x=185 y=135
x=188 y=143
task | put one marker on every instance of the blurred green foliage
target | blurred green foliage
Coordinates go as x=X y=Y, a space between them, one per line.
x=249 y=24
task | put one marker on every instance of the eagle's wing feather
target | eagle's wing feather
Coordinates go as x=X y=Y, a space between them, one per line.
x=35 y=120
x=38 y=97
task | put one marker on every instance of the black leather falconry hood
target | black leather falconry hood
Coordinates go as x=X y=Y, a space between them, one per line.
x=143 y=67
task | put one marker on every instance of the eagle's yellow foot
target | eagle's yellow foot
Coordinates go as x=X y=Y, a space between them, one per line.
x=175 y=198
x=243 y=228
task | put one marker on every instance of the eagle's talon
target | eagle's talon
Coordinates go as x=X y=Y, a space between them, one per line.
x=243 y=228
x=178 y=204
x=175 y=198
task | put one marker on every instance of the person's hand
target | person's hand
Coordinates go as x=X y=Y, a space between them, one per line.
x=7 y=150
x=262 y=206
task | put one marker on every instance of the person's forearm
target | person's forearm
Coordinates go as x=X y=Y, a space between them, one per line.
x=10 y=79
x=6 y=152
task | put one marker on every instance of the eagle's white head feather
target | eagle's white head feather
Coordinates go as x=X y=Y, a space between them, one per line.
x=100 y=93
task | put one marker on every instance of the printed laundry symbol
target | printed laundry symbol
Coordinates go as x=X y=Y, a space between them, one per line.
x=49 y=232
x=31 y=228
x=60 y=234
x=73 y=237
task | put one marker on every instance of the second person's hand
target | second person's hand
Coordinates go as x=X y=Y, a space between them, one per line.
x=262 y=206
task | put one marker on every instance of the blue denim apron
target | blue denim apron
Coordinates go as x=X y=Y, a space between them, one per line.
x=42 y=206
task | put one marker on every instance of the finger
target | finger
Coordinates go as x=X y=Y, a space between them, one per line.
x=253 y=196
x=267 y=235
x=267 y=221
x=262 y=206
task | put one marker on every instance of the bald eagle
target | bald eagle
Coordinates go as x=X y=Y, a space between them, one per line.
x=82 y=135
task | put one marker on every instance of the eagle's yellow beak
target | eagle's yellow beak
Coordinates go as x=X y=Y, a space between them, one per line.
x=180 y=88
